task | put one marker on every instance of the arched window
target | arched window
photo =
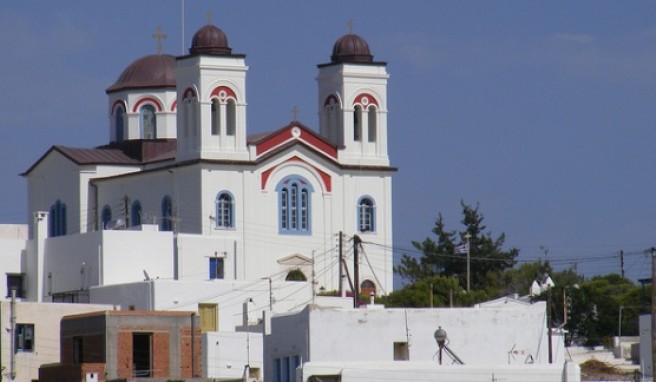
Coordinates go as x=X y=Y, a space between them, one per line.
x=294 y=205
x=166 y=224
x=295 y=275
x=147 y=122
x=119 y=124
x=106 y=217
x=216 y=117
x=366 y=215
x=367 y=287
x=231 y=117
x=57 y=219
x=357 y=123
x=372 y=124
x=224 y=210
x=135 y=214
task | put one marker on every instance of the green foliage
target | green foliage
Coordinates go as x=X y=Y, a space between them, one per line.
x=446 y=292
x=439 y=258
x=592 y=306
x=595 y=309
x=295 y=275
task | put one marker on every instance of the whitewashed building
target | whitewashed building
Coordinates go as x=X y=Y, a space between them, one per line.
x=508 y=342
x=182 y=192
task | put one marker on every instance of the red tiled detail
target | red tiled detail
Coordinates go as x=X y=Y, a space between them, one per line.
x=371 y=100
x=119 y=102
x=144 y=100
x=227 y=90
x=286 y=134
x=265 y=176
x=319 y=144
x=325 y=177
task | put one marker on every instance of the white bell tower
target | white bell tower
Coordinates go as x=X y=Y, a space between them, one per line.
x=353 y=103
x=211 y=88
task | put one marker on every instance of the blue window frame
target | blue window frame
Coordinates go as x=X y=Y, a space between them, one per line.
x=216 y=268
x=225 y=210
x=294 y=205
x=57 y=219
x=106 y=217
x=166 y=224
x=366 y=215
x=135 y=214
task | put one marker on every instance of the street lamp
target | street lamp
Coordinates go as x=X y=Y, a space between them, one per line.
x=440 y=338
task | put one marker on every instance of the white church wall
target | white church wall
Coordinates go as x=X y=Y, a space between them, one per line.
x=56 y=178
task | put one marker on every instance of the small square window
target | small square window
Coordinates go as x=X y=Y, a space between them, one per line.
x=24 y=338
x=216 y=268
x=15 y=281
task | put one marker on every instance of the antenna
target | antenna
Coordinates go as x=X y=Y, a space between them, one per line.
x=146 y=275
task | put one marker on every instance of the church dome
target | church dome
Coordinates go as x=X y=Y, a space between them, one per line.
x=351 y=48
x=153 y=71
x=210 y=40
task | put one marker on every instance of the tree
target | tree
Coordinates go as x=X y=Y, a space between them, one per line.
x=438 y=256
x=446 y=292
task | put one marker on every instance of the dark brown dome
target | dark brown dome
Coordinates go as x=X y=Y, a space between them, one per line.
x=351 y=48
x=210 y=40
x=153 y=71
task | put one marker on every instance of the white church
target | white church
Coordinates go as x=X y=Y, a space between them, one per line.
x=181 y=192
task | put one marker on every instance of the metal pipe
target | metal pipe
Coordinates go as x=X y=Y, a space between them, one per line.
x=12 y=364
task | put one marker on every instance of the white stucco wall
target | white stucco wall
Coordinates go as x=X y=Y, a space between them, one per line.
x=423 y=371
x=225 y=354
x=486 y=335
x=12 y=251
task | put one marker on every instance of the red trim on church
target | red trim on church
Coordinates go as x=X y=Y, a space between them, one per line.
x=285 y=135
x=325 y=177
x=370 y=100
x=149 y=100
x=174 y=105
x=229 y=93
x=118 y=102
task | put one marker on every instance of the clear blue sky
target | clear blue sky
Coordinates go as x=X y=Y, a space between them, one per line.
x=543 y=112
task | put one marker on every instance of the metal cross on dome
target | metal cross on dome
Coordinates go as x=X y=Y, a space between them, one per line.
x=209 y=15
x=351 y=25
x=159 y=36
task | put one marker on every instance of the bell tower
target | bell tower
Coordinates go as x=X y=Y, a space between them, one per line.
x=211 y=88
x=353 y=103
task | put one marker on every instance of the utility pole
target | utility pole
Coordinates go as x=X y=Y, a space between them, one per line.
x=653 y=309
x=468 y=245
x=549 y=332
x=341 y=263
x=622 y=263
x=356 y=270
